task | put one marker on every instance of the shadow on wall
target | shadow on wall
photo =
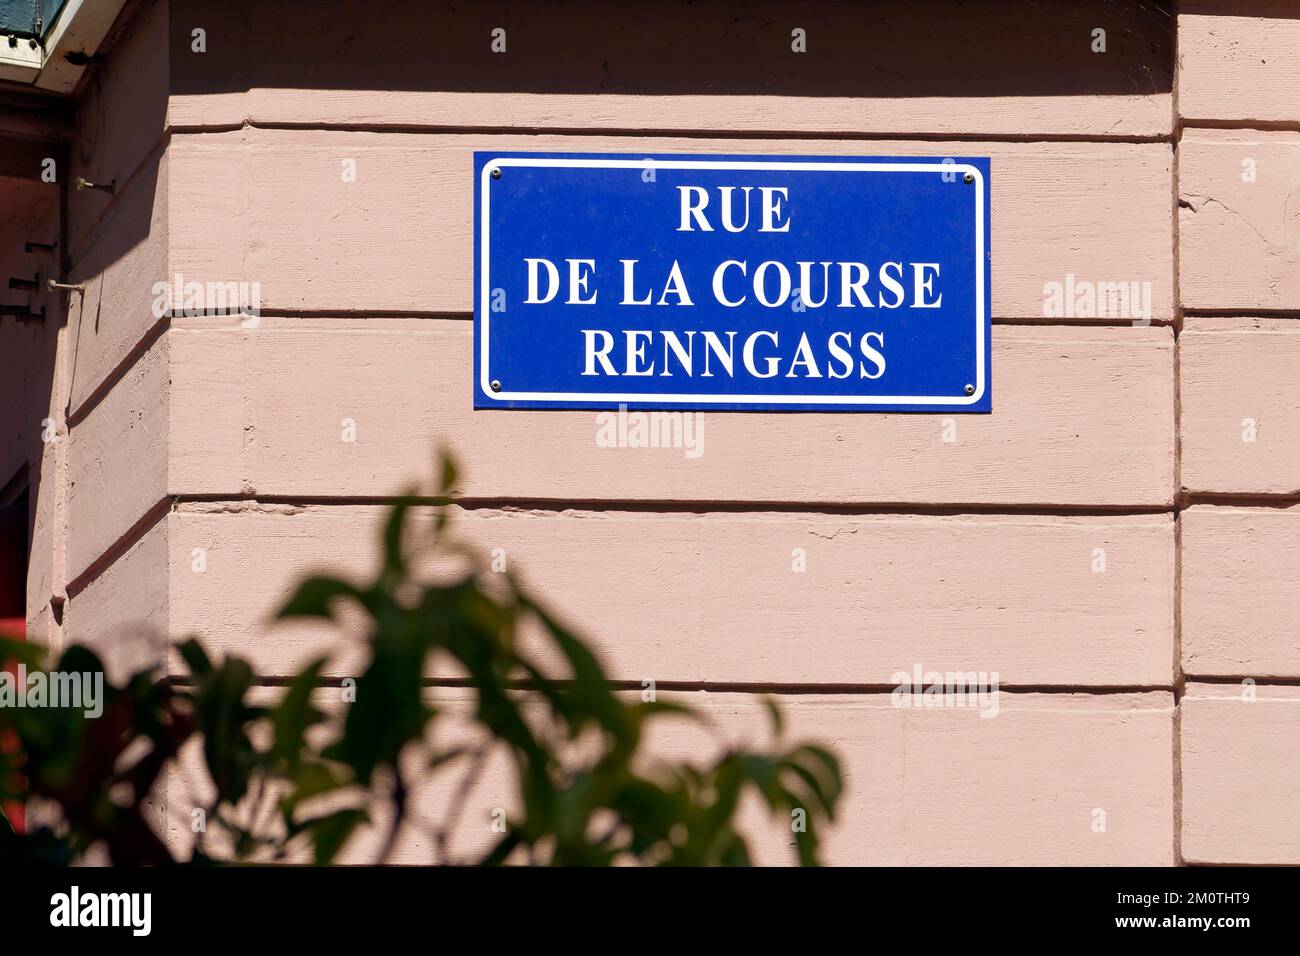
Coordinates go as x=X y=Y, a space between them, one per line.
x=1254 y=9
x=959 y=48
x=884 y=49
x=29 y=324
x=880 y=49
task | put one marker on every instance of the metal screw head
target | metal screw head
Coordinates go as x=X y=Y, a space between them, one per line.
x=968 y=178
x=496 y=173
x=496 y=385
x=970 y=389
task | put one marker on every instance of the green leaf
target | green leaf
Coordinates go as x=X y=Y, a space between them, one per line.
x=590 y=691
x=329 y=833
x=223 y=718
x=815 y=789
x=293 y=716
x=315 y=597
x=311 y=779
x=774 y=714
x=80 y=659
x=503 y=848
x=586 y=791
x=447 y=475
x=829 y=771
x=389 y=711
x=195 y=657
x=394 y=537
x=20 y=652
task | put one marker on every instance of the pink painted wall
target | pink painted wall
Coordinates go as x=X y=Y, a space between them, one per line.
x=1167 y=453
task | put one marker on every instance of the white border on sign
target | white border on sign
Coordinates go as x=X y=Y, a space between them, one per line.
x=485 y=378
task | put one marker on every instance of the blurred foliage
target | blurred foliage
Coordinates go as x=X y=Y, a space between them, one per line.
x=587 y=793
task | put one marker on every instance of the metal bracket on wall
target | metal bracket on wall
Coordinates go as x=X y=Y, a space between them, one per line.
x=83 y=184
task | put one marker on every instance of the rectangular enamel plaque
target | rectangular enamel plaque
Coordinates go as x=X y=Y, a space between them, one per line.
x=778 y=283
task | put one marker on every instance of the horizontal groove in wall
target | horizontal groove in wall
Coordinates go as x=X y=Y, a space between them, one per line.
x=118 y=548
x=182 y=321
x=1251 y=312
x=688 y=133
x=206 y=321
x=1265 y=681
x=225 y=504
x=110 y=381
x=1241 y=125
x=236 y=504
x=1086 y=323
x=776 y=689
x=215 y=504
x=1237 y=500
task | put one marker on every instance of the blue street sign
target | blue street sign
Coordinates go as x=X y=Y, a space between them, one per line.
x=782 y=283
